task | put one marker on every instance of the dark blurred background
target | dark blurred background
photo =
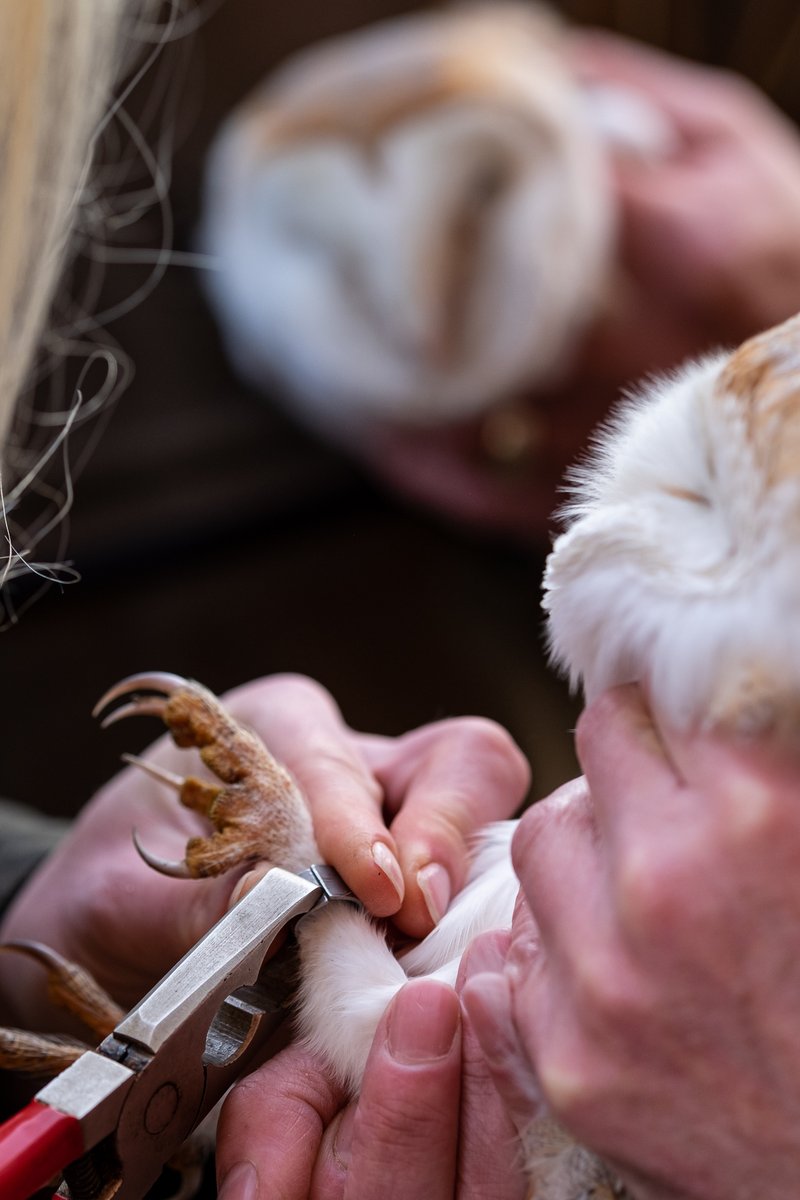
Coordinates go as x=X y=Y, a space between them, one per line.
x=217 y=539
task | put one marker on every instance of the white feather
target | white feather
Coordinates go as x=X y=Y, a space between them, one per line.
x=679 y=569
x=349 y=975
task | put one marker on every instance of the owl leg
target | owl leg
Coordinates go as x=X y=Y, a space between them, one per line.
x=256 y=809
x=70 y=987
x=561 y=1169
x=37 y=1053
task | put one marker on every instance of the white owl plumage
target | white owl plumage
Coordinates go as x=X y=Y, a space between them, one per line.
x=415 y=221
x=680 y=568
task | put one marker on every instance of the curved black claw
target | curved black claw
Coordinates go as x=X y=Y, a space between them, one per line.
x=148 y=690
x=255 y=809
x=176 y=869
x=71 y=987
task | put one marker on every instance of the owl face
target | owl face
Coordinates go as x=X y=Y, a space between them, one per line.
x=681 y=568
x=412 y=221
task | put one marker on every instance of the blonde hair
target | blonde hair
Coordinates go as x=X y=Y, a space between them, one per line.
x=58 y=59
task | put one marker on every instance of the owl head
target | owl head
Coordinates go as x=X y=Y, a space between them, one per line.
x=412 y=221
x=680 y=566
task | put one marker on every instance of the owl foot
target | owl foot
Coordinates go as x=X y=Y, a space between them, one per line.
x=73 y=988
x=70 y=987
x=561 y=1169
x=256 y=808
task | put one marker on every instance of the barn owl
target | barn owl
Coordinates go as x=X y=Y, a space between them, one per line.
x=681 y=564
x=415 y=221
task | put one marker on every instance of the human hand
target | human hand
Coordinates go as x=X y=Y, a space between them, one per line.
x=428 y=1124
x=709 y=247
x=652 y=985
x=100 y=905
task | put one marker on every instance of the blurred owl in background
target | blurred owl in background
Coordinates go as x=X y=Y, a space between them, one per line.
x=415 y=221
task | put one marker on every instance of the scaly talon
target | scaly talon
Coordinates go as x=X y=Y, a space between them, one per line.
x=70 y=987
x=33 y=1054
x=37 y=1053
x=175 y=868
x=194 y=793
x=256 y=810
x=169 y=778
x=161 y=682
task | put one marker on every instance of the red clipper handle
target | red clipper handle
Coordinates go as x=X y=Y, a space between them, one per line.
x=34 y=1146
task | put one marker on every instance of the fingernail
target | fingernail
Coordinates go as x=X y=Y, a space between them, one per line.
x=385 y=861
x=241 y=1183
x=343 y=1137
x=423 y=1022
x=248 y=882
x=434 y=883
x=487 y=954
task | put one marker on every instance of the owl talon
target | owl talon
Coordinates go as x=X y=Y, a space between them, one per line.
x=47 y=1055
x=169 y=778
x=37 y=1054
x=163 y=683
x=70 y=987
x=175 y=868
x=256 y=809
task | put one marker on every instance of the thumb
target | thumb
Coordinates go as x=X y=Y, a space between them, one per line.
x=487 y=999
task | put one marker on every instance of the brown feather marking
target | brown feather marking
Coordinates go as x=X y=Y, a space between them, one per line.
x=681 y=493
x=472 y=63
x=764 y=375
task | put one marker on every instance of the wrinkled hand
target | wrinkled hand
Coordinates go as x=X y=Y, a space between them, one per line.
x=429 y=1124
x=709 y=235
x=419 y=797
x=652 y=985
